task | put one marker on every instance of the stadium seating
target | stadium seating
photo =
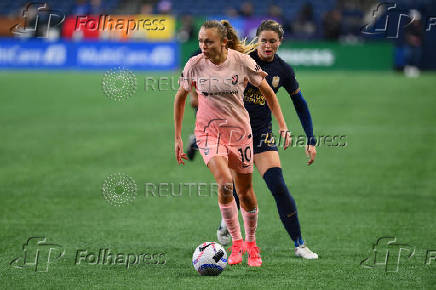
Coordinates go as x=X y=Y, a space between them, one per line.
x=203 y=7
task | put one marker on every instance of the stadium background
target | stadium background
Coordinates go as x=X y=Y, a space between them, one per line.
x=62 y=137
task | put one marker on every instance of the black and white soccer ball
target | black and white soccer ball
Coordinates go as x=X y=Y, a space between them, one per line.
x=209 y=259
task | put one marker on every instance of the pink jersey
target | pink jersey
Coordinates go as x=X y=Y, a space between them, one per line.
x=221 y=113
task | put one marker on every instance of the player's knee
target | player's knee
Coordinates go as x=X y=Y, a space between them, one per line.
x=226 y=189
x=245 y=190
x=275 y=182
x=248 y=202
x=279 y=188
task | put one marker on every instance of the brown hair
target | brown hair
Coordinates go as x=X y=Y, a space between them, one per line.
x=226 y=30
x=270 y=25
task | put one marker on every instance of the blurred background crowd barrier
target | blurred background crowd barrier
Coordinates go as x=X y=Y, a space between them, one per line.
x=161 y=35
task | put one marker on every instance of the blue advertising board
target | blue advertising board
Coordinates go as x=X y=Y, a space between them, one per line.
x=87 y=55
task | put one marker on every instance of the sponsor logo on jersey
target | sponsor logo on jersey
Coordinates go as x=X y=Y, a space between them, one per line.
x=275 y=81
x=254 y=96
x=206 y=94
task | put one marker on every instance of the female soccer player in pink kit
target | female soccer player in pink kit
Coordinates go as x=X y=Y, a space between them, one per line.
x=223 y=132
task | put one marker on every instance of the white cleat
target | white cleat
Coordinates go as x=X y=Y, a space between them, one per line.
x=223 y=236
x=305 y=253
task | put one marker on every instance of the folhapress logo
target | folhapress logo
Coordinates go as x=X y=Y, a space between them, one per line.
x=36 y=13
x=109 y=257
x=388 y=254
x=38 y=254
x=389 y=20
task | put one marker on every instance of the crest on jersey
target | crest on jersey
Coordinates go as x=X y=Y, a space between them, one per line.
x=275 y=81
x=234 y=79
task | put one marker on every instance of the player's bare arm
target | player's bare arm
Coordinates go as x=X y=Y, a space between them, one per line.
x=179 y=109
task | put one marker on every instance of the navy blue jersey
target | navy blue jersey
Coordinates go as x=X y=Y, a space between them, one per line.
x=280 y=74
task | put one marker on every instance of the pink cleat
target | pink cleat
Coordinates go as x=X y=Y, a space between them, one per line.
x=254 y=259
x=237 y=252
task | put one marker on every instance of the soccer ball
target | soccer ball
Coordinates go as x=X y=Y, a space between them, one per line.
x=209 y=259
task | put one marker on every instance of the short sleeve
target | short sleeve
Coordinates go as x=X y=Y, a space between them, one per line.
x=289 y=81
x=255 y=74
x=185 y=79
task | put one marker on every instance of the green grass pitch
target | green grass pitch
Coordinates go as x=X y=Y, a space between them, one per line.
x=61 y=137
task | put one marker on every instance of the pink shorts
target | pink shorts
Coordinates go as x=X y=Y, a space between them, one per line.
x=239 y=156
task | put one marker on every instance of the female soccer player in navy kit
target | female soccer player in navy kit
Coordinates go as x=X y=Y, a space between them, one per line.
x=266 y=157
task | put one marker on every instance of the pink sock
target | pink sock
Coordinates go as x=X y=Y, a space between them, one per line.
x=250 y=224
x=229 y=212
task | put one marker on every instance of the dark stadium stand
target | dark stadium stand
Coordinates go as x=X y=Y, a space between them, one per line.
x=202 y=7
x=303 y=20
x=11 y=7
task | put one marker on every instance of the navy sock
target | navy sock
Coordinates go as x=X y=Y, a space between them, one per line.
x=235 y=195
x=285 y=203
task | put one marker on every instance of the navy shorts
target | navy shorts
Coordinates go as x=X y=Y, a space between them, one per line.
x=264 y=140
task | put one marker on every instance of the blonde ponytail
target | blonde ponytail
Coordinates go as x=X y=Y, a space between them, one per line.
x=226 y=30
x=233 y=41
